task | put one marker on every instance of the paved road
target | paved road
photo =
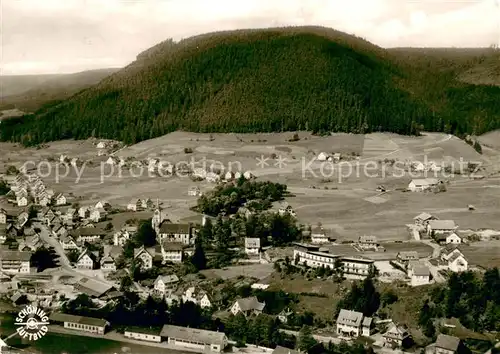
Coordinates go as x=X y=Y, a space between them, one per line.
x=45 y=236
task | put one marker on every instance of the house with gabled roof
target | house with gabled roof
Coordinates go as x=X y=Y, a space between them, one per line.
x=318 y=235
x=418 y=273
x=134 y=205
x=87 y=260
x=252 y=245
x=60 y=199
x=104 y=204
x=435 y=227
x=446 y=344
x=368 y=242
x=172 y=251
x=98 y=214
x=285 y=208
x=59 y=231
x=108 y=263
x=183 y=233
x=396 y=336
x=163 y=283
x=121 y=237
x=248 y=306
x=30 y=243
x=423 y=219
x=199 y=297
x=144 y=256
x=424 y=184
x=84 y=212
x=349 y=323
x=68 y=243
x=88 y=234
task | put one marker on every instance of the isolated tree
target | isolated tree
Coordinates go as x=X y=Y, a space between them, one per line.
x=146 y=235
x=126 y=283
x=199 y=260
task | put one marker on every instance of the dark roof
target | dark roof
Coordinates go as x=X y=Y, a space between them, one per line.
x=445 y=341
x=91 y=321
x=88 y=231
x=172 y=246
x=15 y=256
x=169 y=228
x=145 y=330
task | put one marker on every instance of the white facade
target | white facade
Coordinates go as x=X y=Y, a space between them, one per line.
x=22 y=201
x=458 y=264
x=171 y=255
x=453 y=238
x=61 y=200
x=146 y=259
x=156 y=338
x=85 y=262
x=3 y=217
x=120 y=238
x=420 y=185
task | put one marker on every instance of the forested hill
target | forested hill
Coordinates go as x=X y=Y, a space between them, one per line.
x=302 y=78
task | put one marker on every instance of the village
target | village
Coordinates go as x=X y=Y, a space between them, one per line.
x=60 y=248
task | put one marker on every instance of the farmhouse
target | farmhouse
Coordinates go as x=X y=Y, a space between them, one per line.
x=145 y=334
x=145 y=257
x=367 y=242
x=134 y=205
x=420 y=185
x=423 y=219
x=440 y=227
x=418 y=273
x=183 y=233
x=396 y=336
x=407 y=256
x=247 y=306
x=165 y=282
x=353 y=324
x=80 y=323
x=454 y=259
x=446 y=344
x=15 y=262
x=318 y=235
x=200 y=339
x=252 y=245
x=108 y=263
x=448 y=238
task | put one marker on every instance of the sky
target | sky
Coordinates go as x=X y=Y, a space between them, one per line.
x=64 y=36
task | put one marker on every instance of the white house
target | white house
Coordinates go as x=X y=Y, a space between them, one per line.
x=142 y=333
x=183 y=233
x=121 y=237
x=395 y=336
x=418 y=273
x=285 y=208
x=440 y=227
x=247 y=306
x=60 y=199
x=201 y=298
x=86 y=260
x=163 y=283
x=44 y=200
x=84 y=212
x=212 y=177
x=368 y=242
x=103 y=204
x=172 y=251
x=350 y=323
x=455 y=260
x=15 y=262
x=144 y=256
x=248 y=175
x=97 y=214
x=318 y=235
x=108 y=263
x=194 y=191
x=134 y=205
x=3 y=216
x=322 y=156
x=453 y=238
x=68 y=243
x=22 y=201
x=229 y=176
x=252 y=245
x=420 y=185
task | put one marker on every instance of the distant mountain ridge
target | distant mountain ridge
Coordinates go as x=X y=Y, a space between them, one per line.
x=279 y=79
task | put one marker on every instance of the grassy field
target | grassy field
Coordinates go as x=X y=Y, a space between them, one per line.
x=485 y=254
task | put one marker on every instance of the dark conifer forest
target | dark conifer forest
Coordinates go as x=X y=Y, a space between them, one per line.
x=286 y=79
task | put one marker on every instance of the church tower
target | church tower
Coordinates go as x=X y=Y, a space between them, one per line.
x=157 y=218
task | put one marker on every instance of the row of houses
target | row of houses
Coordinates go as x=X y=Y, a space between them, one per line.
x=180 y=337
x=26 y=188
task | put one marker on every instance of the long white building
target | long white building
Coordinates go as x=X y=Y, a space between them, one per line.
x=353 y=267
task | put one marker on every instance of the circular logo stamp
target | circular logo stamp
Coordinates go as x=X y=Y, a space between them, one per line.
x=32 y=323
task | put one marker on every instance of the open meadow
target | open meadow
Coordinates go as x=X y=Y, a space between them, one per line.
x=343 y=197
